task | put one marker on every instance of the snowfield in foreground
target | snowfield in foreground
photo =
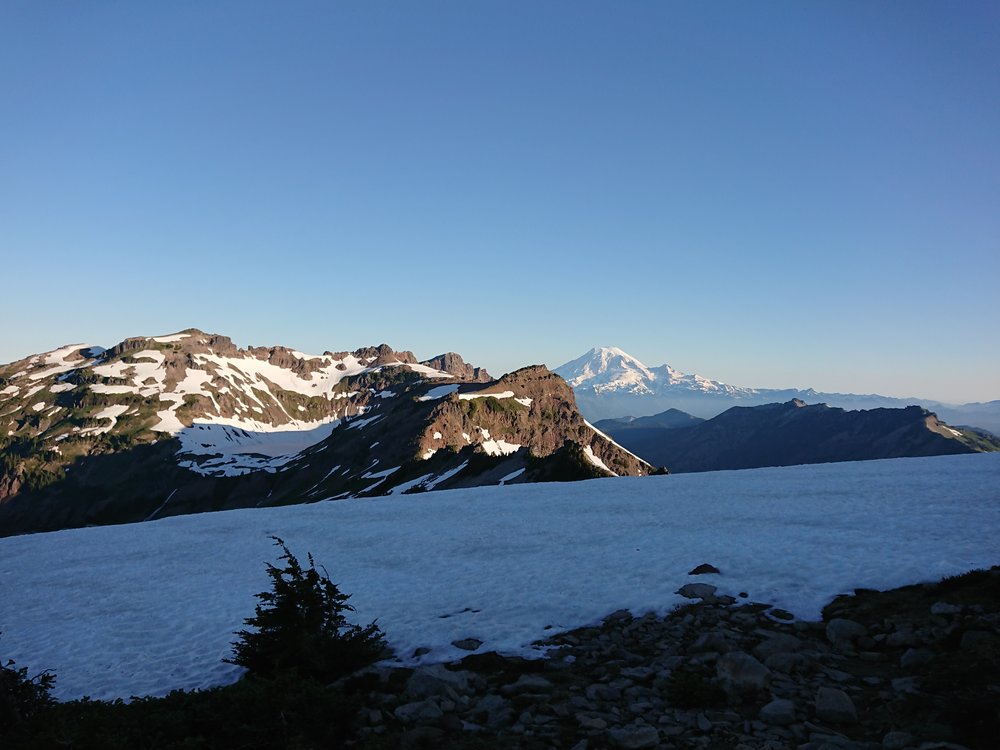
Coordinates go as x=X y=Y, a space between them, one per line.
x=145 y=608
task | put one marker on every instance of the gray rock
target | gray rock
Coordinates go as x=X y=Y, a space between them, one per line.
x=973 y=638
x=467 y=644
x=711 y=641
x=704 y=569
x=591 y=722
x=786 y=663
x=902 y=638
x=410 y=713
x=905 y=685
x=835 y=706
x=599 y=692
x=843 y=632
x=618 y=616
x=944 y=608
x=697 y=590
x=915 y=657
x=779 y=712
x=435 y=679
x=528 y=683
x=497 y=711
x=777 y=644
x=739 y=672
x=634 y=737
x=897 y=740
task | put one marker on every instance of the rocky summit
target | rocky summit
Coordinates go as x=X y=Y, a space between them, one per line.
x=916 y=668
x=188 y=422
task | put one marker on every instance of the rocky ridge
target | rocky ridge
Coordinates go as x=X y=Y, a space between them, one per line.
x=189 y=422
x=916 y=668
x=746 y=437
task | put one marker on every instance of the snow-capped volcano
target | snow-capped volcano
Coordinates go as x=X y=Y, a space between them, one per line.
x=610 y=383
x=608 y=369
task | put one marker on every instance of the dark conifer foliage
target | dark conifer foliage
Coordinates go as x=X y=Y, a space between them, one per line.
x=300 y=626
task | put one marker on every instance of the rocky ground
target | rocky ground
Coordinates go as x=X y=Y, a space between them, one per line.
x=915 y=668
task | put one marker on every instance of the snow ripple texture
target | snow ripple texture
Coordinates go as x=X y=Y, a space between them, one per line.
x=145 y=608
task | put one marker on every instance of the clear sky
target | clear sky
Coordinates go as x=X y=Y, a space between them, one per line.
x=772 y=194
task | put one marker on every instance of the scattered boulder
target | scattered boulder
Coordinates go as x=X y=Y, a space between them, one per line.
x=634 y=737
x=777 y=643
x=697 y=590
x=842 y=633
x=711 y=675
x=436 y=679
x=738 y=672
x=704 y=569
x=915 y=657
x=467 y=644
x=835 y=706
x=711 y=641
x=780 y=712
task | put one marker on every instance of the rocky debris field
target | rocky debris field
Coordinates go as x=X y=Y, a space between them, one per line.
x=916 y=668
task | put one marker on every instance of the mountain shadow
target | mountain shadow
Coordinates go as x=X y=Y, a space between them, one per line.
x=795 y=433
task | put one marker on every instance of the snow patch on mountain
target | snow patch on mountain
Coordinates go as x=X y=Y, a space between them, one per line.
x=589 y=453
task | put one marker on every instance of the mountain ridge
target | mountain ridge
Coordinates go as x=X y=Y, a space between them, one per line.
x=793 y=433
x=610 y=383
x=186 y=422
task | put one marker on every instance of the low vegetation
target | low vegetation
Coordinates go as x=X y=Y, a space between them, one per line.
x=300 y=643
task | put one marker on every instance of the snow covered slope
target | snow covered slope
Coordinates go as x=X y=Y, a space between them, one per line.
x=145 y=608
x=609 y=384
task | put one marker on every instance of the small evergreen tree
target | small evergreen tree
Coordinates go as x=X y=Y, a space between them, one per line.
x=301 y=627
x=21 y=696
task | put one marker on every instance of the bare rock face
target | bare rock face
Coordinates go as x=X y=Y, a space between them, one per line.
x=531 y=408
x=454 y=364
x=10 y=485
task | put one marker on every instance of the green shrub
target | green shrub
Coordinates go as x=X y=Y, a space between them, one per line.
x=301 y=627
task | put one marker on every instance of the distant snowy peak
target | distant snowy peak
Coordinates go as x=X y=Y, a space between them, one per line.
x=608 y=383
x=607 y=366
x=608 y=369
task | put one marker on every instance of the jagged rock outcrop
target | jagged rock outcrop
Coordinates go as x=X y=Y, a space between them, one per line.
x=453 y=363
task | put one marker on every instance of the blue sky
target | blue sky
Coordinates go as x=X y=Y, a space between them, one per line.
x=771 y=194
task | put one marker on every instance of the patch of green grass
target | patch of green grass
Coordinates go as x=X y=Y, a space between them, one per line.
x=488 y=405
